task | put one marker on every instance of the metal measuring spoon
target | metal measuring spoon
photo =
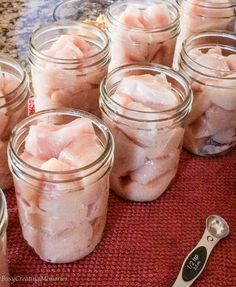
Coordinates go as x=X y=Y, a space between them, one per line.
x=216 y=229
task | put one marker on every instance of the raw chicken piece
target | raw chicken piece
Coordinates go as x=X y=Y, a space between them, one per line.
x=129 y=158
x=191 y=143
x=215 y=62
x=215 y=120
x=51 y=225
x=59 y=234
x=44 y=143
x=54 y=164
x=132 y=17
x=69 y=246
x=69 y=52
x=65 y=84
x=79 y=201
x=137 y=42
x=222 y=95
x=153 y=169
x=65 y=40
x=132 y=190
x=31 y=160
x=168 y=141
x=231 y=61
x=201 y=104
x=150 y=90
x=8 y=83
x=82 y=153
x=156 y=16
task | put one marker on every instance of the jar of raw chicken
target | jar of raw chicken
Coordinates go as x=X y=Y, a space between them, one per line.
x=68 y=61
x=208 y=60
x=61 y=160
x=204 y=15
x=4 y=278
x=145 y=107
x=13 y=108
x=142 y=31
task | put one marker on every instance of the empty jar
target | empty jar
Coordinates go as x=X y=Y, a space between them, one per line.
x=14 y=95
x=146 y=108
x=68 y=61
x=208 y=61
x=4 y=277
x=61 y=160
x=204 y=15
x=142 y=31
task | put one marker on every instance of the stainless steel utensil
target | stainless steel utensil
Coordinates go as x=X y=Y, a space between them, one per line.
x=216 y=229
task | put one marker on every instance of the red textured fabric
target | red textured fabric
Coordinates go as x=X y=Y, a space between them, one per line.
x=144 y=244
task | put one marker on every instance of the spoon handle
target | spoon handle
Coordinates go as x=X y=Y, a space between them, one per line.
x=196 y=260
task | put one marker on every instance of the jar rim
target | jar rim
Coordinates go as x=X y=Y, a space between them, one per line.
x=153 y=68
x=6 y=60
x=108 y=148
x=66 y=24
x=3 y=213
x=209 y=5
x=189 y=40
x=110 y=17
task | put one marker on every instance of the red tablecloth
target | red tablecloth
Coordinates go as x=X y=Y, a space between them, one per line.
x=145 y=244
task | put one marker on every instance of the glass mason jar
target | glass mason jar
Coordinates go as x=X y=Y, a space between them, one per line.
x=14 y=95
x=211 y=127
x=148 y=143
x=71 y=83
x=63 y=213
x=131 y=45
x=4 y=277
x=204 y=15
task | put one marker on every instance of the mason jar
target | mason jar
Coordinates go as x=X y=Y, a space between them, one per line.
x=4 y=277
x=130 y=44
x=211 y=127
x=63 y=212
x=148 y=142
x=14 y=95
x=200 y=16
x=61 y=76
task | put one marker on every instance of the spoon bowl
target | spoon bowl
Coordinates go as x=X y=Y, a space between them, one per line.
x=217 y=226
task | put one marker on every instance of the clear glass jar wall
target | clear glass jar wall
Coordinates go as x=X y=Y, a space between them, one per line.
x=62 y=211
x=151 y=40
x=4 y=276
x=14 y=95
x=208 y=61
x=148 y=143
x=68 y=61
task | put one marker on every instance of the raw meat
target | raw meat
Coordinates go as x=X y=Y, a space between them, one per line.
x=211 y=126
x=62 y=215
x=199 y=16
x=147 y=150
x=68 y=85
x=9 y=117
x=137 y=42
